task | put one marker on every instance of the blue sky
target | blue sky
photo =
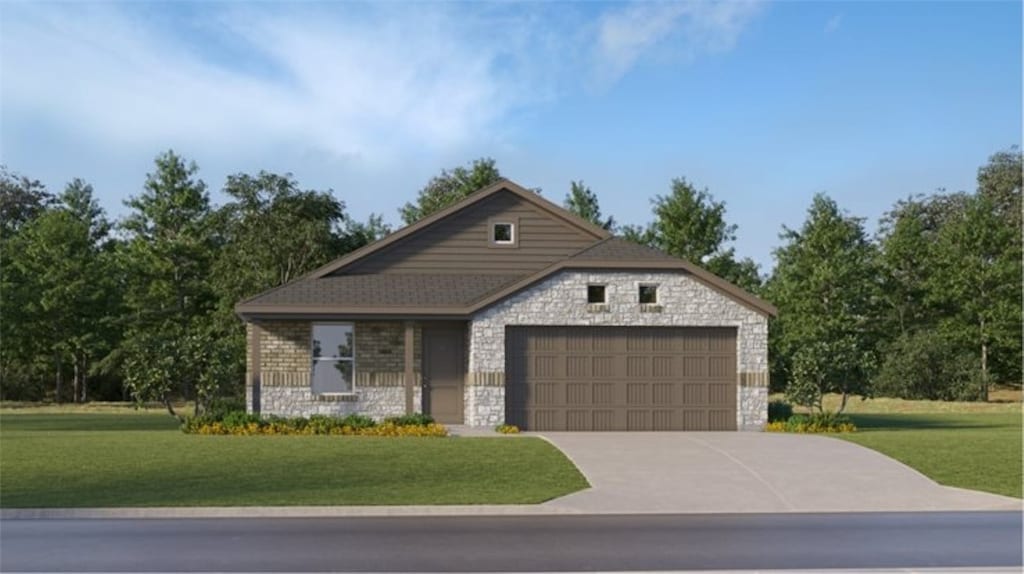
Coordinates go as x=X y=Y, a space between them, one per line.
x=763 y=103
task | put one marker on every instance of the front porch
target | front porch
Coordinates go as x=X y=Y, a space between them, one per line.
x=378 y=368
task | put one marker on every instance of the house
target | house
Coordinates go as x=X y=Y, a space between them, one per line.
x=504 y=307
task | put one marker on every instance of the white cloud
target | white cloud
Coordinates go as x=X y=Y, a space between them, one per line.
x=333 y=83
x=690 y=27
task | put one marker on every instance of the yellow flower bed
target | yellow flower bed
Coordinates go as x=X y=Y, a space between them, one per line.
x=277 y=428
x=507 y=429
x=783 y=426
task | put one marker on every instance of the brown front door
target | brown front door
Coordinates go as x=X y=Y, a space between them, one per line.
x=444 y=369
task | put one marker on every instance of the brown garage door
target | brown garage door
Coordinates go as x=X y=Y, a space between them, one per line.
x=620 y=378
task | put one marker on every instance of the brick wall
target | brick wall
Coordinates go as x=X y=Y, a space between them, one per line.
x=286 y=357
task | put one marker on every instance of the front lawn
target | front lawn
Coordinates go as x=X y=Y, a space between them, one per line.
x=979 y=451
x=100 y=459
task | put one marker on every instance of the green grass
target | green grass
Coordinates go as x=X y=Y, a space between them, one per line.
x=99 y=459
x=975 y=451
x=973 y=445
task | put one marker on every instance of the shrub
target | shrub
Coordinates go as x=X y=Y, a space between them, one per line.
x=221 y=406
x=779 y=411
x=243 y=424
x=814 y=423
x=239 y=419
x=928 y=365
x=358 y=421
x=415 y=419
x=507 y=429
x=191 y=425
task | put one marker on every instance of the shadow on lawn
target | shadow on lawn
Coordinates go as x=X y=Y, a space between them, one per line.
x=927 y=421
x=87 y=422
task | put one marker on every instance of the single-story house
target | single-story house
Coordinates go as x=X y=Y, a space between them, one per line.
x=504 y=307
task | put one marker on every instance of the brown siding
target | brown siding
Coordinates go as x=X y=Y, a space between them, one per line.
x=459 y=243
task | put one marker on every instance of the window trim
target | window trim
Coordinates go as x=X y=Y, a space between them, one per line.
x=313 y=359
x=604 y=293
x=512 y=222
x=639 y=293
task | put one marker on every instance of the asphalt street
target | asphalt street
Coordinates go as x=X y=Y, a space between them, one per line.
x=517 y=543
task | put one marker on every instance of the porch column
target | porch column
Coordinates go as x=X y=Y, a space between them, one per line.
x=254 y=354
x=410 y=375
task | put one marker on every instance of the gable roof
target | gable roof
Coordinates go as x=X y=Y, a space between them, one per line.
x=324 y=292
x=616 y=253
x=503 y=185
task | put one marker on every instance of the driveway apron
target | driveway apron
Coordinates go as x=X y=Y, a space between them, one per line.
x=697 y=472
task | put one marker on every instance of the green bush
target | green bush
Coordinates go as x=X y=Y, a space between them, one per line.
x=191 y=425
x=928 y=365
x=779 y=411
x=235 y=419
x=221 y=406
x=358 y=421
x=814 y=423
x=415 y=419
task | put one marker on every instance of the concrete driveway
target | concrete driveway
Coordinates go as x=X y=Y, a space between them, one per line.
x=749 y=472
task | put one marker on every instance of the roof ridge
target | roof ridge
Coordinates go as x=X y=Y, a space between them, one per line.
x=591 y=246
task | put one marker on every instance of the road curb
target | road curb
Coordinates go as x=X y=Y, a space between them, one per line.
x=280 y=512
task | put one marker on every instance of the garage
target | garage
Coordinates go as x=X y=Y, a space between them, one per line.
x=620 y=378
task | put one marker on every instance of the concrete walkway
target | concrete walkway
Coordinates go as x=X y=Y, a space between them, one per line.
x=749 y=472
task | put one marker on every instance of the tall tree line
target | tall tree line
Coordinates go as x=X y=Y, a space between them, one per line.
x=143 y=308
x=927 y=307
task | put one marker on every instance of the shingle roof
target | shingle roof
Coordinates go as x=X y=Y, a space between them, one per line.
x=386 y=290
x=619 y=249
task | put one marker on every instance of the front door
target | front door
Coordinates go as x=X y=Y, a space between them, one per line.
x=444 y=369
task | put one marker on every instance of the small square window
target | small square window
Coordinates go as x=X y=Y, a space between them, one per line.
x=595 y=294
x=503 y=233
x=648 y=294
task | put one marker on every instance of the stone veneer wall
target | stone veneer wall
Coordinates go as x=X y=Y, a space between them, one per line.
x=286 y=359
x=562 y=300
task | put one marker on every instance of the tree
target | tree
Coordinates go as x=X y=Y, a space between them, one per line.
x=60 y=256
x=167 y=259
x=825 y=290
x=450 y=187
x=583 y=202
x=978 y=278
x=690 y=224
x=21 y=200
x=1000 y=181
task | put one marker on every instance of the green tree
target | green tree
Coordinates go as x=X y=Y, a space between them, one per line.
x=977 y=278
x=22 y=199
x=689 y=223
x=65 y=312
x=273 y=232
x=1000 y=182
x=450 y=187
x=167 y=258
x=583 y=202
x=825 y=288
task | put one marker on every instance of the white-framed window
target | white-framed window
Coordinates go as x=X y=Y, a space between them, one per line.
x=597 y=294
x=503 y=233
x=334 y=358
x=647 y=294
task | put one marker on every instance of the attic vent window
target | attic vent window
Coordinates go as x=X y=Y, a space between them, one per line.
x=648 y=294
x=595 y=294
x=503 y=233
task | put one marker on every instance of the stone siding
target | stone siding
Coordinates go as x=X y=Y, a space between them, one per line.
x=286 y=360
x=562 y=300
